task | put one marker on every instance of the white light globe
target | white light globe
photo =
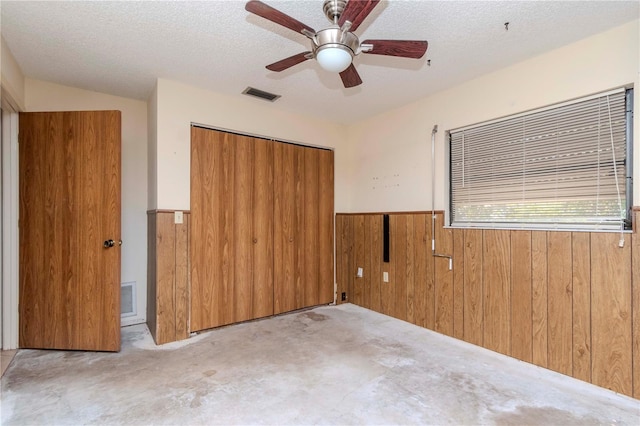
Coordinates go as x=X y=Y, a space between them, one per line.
x=334 y=59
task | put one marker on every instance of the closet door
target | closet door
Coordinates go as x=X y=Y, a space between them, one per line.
x=242 y=236
x=232 y=231
x=261 y=228
x=212 y=191
x=262 y=198
x=325 y=226
x=310 y=242
x=288 y=161
x=303 y=227
x=317 y=206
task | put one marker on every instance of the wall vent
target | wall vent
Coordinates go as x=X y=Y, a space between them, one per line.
x=257 y=93
x=128 y=299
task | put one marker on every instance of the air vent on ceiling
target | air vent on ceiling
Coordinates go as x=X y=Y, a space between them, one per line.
x=257 y=93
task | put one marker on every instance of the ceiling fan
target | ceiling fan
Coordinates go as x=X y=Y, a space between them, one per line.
x=335 y=46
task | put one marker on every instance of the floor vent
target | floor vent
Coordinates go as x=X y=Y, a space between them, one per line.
x=257 y=93
x=128 y=299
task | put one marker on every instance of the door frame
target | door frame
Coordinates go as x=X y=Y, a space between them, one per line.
x=10 y=246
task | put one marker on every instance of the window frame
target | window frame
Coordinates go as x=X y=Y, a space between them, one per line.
x=524 y=225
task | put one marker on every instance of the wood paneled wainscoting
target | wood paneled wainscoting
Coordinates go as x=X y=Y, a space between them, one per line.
x=168 y=275
x=566 y=301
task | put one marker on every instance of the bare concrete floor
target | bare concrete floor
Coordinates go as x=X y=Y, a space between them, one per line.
x=329 y=365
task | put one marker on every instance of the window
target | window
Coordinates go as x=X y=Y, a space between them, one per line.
x=560 y=167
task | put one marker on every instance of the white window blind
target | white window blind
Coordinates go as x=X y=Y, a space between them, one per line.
x=559 y=167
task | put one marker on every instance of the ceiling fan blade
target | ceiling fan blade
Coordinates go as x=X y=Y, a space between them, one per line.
x=274 y=15
x=350 y=77
x=288 y=62
x=403 y=48
x=356 y=11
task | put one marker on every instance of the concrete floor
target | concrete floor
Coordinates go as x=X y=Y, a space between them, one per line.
x=329 y=365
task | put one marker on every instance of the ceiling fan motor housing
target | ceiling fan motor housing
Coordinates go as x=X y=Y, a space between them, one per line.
x=335 y=37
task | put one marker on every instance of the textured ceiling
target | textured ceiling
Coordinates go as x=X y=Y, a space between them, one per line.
x=122 y=47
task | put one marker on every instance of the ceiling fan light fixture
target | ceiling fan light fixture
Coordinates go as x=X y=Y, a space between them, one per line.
x=335 y=47
x=334 y=58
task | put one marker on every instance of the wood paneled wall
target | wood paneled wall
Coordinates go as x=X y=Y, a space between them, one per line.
x=566 y=301
x=168 y=276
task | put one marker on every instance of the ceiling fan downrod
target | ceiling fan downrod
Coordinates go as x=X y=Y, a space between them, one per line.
x=333 y=9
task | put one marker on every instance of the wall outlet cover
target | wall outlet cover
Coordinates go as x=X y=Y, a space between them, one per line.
x=359 y=273
x=179 y=217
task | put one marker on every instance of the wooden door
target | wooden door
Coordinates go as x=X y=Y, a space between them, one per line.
x=288 y=227
x=252 y=227
x=303 y=227
x=311 y=214
x=69 y=206
x=326 y=280
x=262 y=228
x=232 y=228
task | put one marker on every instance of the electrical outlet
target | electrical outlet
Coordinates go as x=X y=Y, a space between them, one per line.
x=179 y=217
x=359 y=273
x=344 y=296
x=385 y=277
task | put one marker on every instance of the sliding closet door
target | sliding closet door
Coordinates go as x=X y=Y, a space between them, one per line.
x=232 y=237
x=212 y=181
x=325 y=226
x=317 y=239
x=261 y=228
x=288 y=160
x=311 y=228
x=262 y=197
x=303 y=227
x=241 y=205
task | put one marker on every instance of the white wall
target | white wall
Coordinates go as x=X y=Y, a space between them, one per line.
x=178 y=105
x=11 y=78
x=44 y=96
x=152 y=150
x=390 y=155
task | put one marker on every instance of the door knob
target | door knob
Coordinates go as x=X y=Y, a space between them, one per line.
x=111 y=243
